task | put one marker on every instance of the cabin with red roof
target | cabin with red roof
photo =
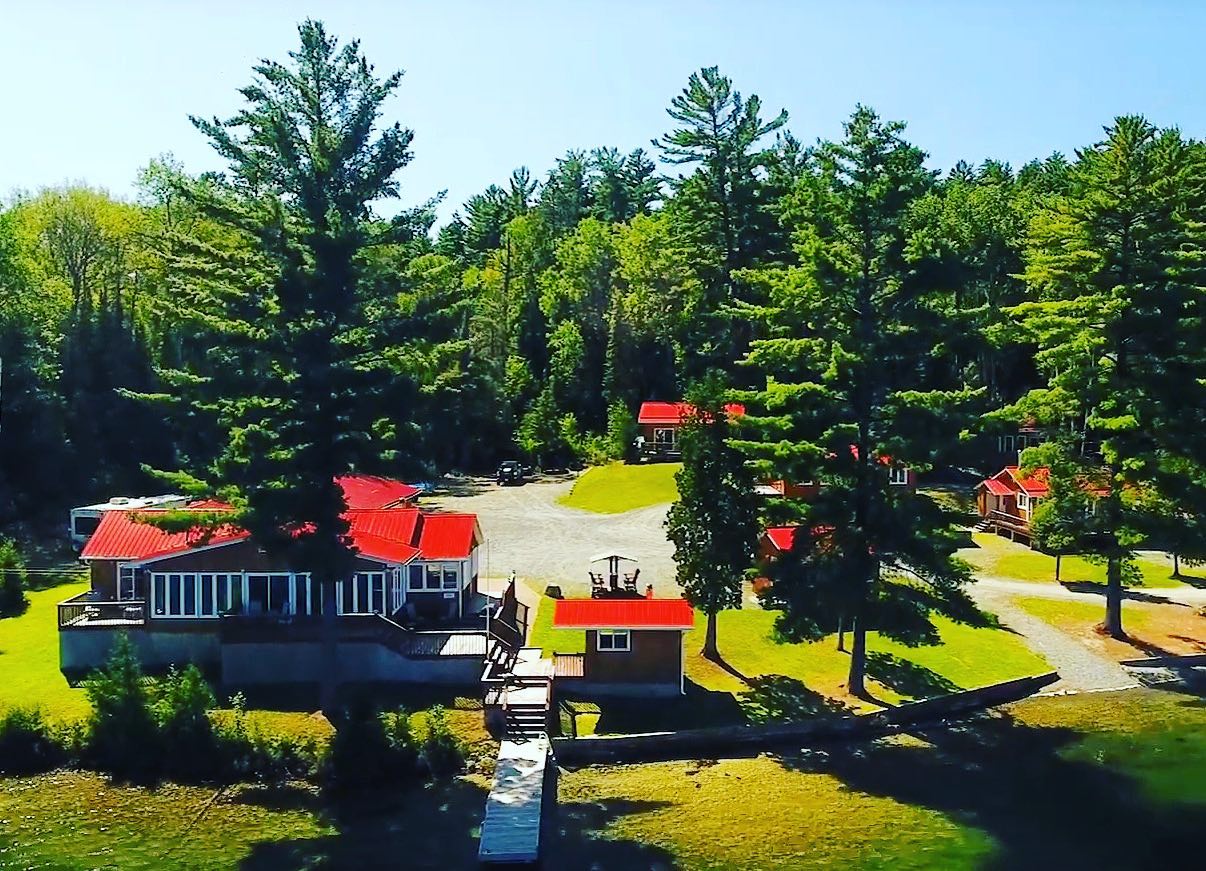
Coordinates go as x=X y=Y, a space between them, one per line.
x=196 y=596
x=634 y=641
x=659 y=425
x=1006 y=502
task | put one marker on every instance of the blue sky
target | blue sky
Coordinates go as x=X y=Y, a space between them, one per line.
x=91 y=91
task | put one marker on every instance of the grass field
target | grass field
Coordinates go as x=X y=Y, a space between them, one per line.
x=78 y=820
x=1001 y=557
x=30 y=676
x=1091 y=781
x=771 y=681
x=619 y=487
x=1103 y=780
x=1154 y=630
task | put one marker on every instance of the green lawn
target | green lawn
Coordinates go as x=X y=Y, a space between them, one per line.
x=77 y=820
x=1152 y=629
x=1091 y=781
x=29 y=657
x=775 y=681
x=1102 y=780
x=999 y=556
x=618 y=487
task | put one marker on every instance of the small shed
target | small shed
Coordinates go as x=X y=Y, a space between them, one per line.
x=634 y=645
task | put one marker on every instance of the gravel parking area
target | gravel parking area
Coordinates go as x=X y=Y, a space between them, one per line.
x=546 y=543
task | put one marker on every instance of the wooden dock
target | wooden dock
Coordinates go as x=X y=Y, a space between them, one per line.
x=514 y=810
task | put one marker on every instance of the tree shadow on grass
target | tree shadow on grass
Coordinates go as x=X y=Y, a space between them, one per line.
x=696 y=709
x=776 y=698
x=579 y=840
x=1191 y=580
x=424 y=826
x=908 y=678
x=1045 y=802
x=1099 y=589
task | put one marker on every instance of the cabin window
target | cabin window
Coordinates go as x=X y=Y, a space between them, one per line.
x=1023 y=502
x=898 y=475
x=85 y=525
x=452 y=576
x=268 y=594
x=615 y=640
x=363 y=594
x=195 y=595
x=664 y=436
x=396 y=595
x=1005 y=444
x=125 y=583
x=415 y=581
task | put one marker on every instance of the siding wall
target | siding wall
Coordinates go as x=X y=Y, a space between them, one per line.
x=656 y=657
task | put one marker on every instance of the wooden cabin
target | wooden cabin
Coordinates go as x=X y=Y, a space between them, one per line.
x=1006 y=502
x=660 y=423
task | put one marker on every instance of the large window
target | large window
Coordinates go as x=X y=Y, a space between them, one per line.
x=188 y=594
x=432 y=577
x=615 y=640
x=665 y=438
x=364 y=594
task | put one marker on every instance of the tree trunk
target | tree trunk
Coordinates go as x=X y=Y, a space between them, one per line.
x=858 y=660
x=710 y=651
x=1113 y=619
x=842 y=634
x=1176 y=565
x=329 y=685
x=1058 y=557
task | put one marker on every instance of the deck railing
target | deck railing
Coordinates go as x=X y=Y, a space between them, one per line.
x=1011 y=521
x=85 y=612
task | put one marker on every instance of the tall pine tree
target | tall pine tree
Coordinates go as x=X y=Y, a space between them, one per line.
x=853 y=391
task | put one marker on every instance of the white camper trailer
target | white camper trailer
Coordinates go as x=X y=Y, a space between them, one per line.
x=86 y=518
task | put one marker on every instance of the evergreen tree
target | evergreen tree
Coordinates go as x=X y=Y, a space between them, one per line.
x=849 y=362
x=294 y=378
x=1117 y=266
x=13 y=580
x=714 y=523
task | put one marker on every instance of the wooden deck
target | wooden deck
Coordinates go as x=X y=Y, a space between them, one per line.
x=515 y=808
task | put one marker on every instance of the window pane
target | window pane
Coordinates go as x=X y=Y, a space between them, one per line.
x=451 y=577
x=257 y=594
x=160 y=594
x=345 y=598
x=377 y=585
x=433 y=578
x=300 y=599
x=362 y=593
x=207 y=596
x=416 y=577
x=174 y=595
x=315 y=597
x=278 y=594
x=190 y=594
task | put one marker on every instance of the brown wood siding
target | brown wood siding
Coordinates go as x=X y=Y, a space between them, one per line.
x=243 y=556
x=656 y=657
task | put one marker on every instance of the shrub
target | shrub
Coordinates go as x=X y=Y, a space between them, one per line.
x=28 y=743
x=442 y=752
x=621 y=431
x=13 y=580
x=250 y=753
x=371 y=749
x=123 y=737
x=181 y=706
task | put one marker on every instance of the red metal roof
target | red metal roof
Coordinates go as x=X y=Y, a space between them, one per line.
x=392 y=535
x=372 y=491
x=677 y=412
x=119 y=536
x=1035 y=484
x=782 y=537
x=448 y=536
x=997 y=488
x=623 y=614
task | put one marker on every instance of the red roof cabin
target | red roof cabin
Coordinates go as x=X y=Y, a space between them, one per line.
x=1006 y=501
x=220 y=599
x=659 y=425
x=634 y=642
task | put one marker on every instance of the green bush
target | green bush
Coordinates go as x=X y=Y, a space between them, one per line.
x=123 y=736
x=13 y=580
x=371 y=749
x=442 y=752
x=250 y=754
x=180 y=706
x=621 y=431
x=28 y=743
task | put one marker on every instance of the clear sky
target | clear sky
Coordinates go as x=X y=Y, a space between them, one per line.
x=92 y=91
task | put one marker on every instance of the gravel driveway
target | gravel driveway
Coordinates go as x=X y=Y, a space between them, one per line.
x=547 y=543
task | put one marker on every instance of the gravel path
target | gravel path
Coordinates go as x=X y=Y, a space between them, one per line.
x=1079 y=667
x=547 y=543
x=1184 y=595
